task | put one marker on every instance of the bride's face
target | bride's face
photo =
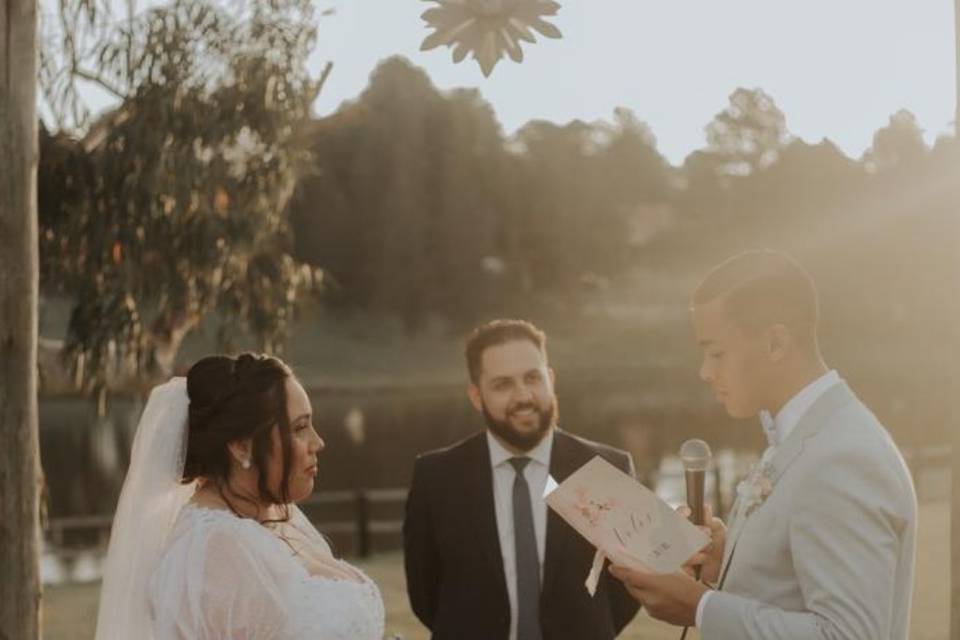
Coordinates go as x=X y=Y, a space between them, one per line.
x=305 y=445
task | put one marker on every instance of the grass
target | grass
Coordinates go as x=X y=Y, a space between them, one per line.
x=70 y=612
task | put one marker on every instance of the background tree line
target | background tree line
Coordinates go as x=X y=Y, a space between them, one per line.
x=416 y=205
x=420 y=205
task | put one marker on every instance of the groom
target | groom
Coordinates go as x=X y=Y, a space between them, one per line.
x=822 y=539
x=485 y=560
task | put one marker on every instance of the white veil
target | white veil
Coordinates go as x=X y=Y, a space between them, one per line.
x=151 y=498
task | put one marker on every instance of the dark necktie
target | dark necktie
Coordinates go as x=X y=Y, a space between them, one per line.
x=527 y=560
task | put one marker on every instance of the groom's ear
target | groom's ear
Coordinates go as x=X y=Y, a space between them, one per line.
x=779 y=339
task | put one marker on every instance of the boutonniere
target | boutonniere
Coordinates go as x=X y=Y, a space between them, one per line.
x=756 y=487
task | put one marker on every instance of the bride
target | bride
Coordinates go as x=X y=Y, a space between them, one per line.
x=207 y=542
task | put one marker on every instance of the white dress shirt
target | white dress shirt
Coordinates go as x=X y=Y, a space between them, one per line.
x=778 y=429
x=536 y=473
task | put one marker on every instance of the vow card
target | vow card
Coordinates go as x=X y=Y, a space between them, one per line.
x=624 y=520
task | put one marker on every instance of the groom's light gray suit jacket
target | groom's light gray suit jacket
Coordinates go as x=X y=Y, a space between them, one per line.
x=830 y=553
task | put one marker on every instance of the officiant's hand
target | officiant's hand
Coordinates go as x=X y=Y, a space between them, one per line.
x=670 y=597
x=710 y=557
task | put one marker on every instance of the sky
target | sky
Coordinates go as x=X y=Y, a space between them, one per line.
x=838 y=69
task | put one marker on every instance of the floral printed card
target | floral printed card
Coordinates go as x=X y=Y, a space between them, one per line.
x=624 y=520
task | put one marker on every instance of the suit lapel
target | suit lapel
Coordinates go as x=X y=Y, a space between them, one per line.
x=810 y=424
x=479 y=503
x=566 y=457
x=736 y=523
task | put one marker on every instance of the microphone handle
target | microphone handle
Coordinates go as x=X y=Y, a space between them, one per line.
x=695 y=499
x=695 y=495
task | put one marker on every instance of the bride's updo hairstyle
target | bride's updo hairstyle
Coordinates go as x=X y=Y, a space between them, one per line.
x=233 y=399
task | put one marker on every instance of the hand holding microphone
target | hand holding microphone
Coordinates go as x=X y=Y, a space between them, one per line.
x=695 y=455
x=705 y=564
x=674 y=597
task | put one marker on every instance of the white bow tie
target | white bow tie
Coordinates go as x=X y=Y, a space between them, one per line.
x=769 y=428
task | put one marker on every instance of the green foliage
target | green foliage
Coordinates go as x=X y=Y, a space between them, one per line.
x=175 y=201
x=421 y=207
x=403 y=208
x=586 y=191
x=748 y=134
x=899 y=144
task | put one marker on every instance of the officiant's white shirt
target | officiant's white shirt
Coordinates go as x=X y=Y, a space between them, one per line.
x=779 y=428
x=536 y=473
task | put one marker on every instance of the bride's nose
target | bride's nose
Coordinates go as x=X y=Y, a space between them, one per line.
x=317 y=444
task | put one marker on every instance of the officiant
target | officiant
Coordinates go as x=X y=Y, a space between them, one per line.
x=484 y=559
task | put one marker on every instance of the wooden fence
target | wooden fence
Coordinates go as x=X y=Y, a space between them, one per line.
x=360 y=517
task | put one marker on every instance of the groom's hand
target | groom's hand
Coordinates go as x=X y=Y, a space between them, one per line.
x=710 y=557
x=670 y=597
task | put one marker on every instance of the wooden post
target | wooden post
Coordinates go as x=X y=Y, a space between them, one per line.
x=363 y=524
x=19 y=443
x=956 y=34
x=955 y=388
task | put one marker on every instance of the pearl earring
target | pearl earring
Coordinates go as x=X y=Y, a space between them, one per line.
x=245 y=463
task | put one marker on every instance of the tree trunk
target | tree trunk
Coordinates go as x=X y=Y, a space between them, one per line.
x=19 y=444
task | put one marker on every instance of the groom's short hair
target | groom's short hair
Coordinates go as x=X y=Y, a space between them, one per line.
x=497 y=332
x=763 y=288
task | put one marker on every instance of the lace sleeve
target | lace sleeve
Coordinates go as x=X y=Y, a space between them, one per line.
x=219 y=584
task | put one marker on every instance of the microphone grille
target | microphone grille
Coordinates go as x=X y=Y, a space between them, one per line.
x=695 y=455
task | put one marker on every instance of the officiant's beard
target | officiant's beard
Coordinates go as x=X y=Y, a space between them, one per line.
x=520 y=440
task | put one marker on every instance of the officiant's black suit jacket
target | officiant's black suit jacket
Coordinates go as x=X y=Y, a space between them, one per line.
x=455 y=576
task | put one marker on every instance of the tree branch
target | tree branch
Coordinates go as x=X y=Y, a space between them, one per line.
x=91 y=77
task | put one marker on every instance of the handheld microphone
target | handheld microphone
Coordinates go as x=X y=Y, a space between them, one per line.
x=695 y=455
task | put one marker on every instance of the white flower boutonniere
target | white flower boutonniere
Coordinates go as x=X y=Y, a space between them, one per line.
x=756 y=487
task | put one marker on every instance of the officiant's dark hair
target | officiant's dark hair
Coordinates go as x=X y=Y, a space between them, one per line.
x=497 y=332
x=233 y=399
x=762 y=288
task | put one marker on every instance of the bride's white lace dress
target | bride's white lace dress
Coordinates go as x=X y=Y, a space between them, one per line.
x=223 y=577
